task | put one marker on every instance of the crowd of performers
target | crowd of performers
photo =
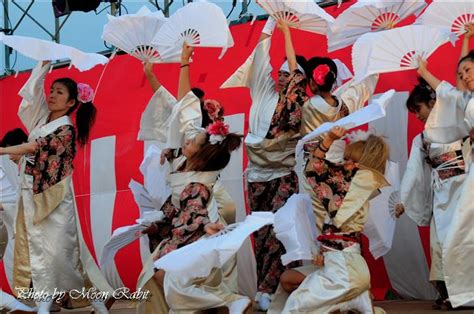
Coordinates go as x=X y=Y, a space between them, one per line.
x=435 y=189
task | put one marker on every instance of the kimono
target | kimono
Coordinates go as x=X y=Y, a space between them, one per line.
x=344 y=192
x=274 y=129
x=451 y=119
x=190 y=207
x=429 y=191
x=50 y=251
x=171 y=123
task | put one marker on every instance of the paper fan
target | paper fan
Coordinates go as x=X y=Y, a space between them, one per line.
x=214 y=251
x=133 y=33
x=302 y=14
x=397 y=49
x=369 y=16
x=42 y=50
x=380 y=225
x=199 y=24
x=453 y=15
x=295 y=227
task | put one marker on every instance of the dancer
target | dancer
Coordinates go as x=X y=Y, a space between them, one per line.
x=195 y=170
x=451 y=119
x=8 y=196
x=432 y=185
x=339 y=278
x=47 y=209
x=274 y=128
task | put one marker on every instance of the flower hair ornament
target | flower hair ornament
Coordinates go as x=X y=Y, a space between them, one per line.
x=85 y=93
x=358 y=136
x=320 y=73
x=217 y=132
x=213 y=109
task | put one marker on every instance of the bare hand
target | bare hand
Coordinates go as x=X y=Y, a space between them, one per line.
x=422 y=66
x=186 y=53
x=318 y=260
x=212 y=228
x=469 y=30
x=283 y=26
x=164 y=155
x=337 y=132
x=147 y=67
x=399 y=210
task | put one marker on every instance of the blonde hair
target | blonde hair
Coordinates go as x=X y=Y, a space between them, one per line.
x=372 y=153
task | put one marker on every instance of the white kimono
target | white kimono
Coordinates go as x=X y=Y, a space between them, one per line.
x=430 y=200
x=452 y=118
x=49 y=247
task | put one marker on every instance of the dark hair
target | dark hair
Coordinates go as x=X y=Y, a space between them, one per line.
x=422 y=93
x=198 y=92
x=14 y=137
x=86 y=112
x=468 y=57
x=213 y=157
x=330 y=79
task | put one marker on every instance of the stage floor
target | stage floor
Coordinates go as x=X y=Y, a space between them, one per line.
x=391 y=307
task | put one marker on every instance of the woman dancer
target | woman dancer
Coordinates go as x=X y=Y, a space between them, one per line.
x=339 y=278
x=47 y=208
x=432 y=184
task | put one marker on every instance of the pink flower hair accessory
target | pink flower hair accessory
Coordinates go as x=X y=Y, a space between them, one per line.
x=320 y=73
x=217 y=132
x=213 y=109
x=85 y=93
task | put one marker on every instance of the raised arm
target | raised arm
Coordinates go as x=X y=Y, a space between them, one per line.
x=334 y=134
x=148 y=69
x=184 y=86
x=22 y=149
x=290 y=51
x=466 y=40
x=432 y=80
x=267 y=30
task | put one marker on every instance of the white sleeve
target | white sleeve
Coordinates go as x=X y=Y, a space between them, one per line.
x=446 y=122
x=354 y=95
x=185 y=121
x=415 y=188
x=154 y=122
x=33 y=107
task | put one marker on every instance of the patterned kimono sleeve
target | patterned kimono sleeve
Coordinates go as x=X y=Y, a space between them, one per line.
x=53 y=158
x=188 y=225
x=288 y=113
x=33 y=106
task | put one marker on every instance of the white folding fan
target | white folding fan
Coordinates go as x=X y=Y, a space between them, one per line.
x=302 y=14
x=295 y=227
x=133 y=33
x=199 y=24
x=213 y=251
x=396 y=49
x=450 y=14
x=380 y=225
x=42 y=50
x=369 y=16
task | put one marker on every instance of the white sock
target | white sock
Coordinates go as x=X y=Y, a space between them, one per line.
x=44 y=306
x=264 y=302
x=99 y=307
x=362 y=303
x=11 y=304
x=238 y=306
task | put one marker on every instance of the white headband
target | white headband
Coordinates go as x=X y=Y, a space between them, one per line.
x=286 y=68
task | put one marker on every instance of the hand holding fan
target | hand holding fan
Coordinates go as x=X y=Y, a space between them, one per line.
x=453 y=15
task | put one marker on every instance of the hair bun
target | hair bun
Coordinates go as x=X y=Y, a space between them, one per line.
x=232 y=141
